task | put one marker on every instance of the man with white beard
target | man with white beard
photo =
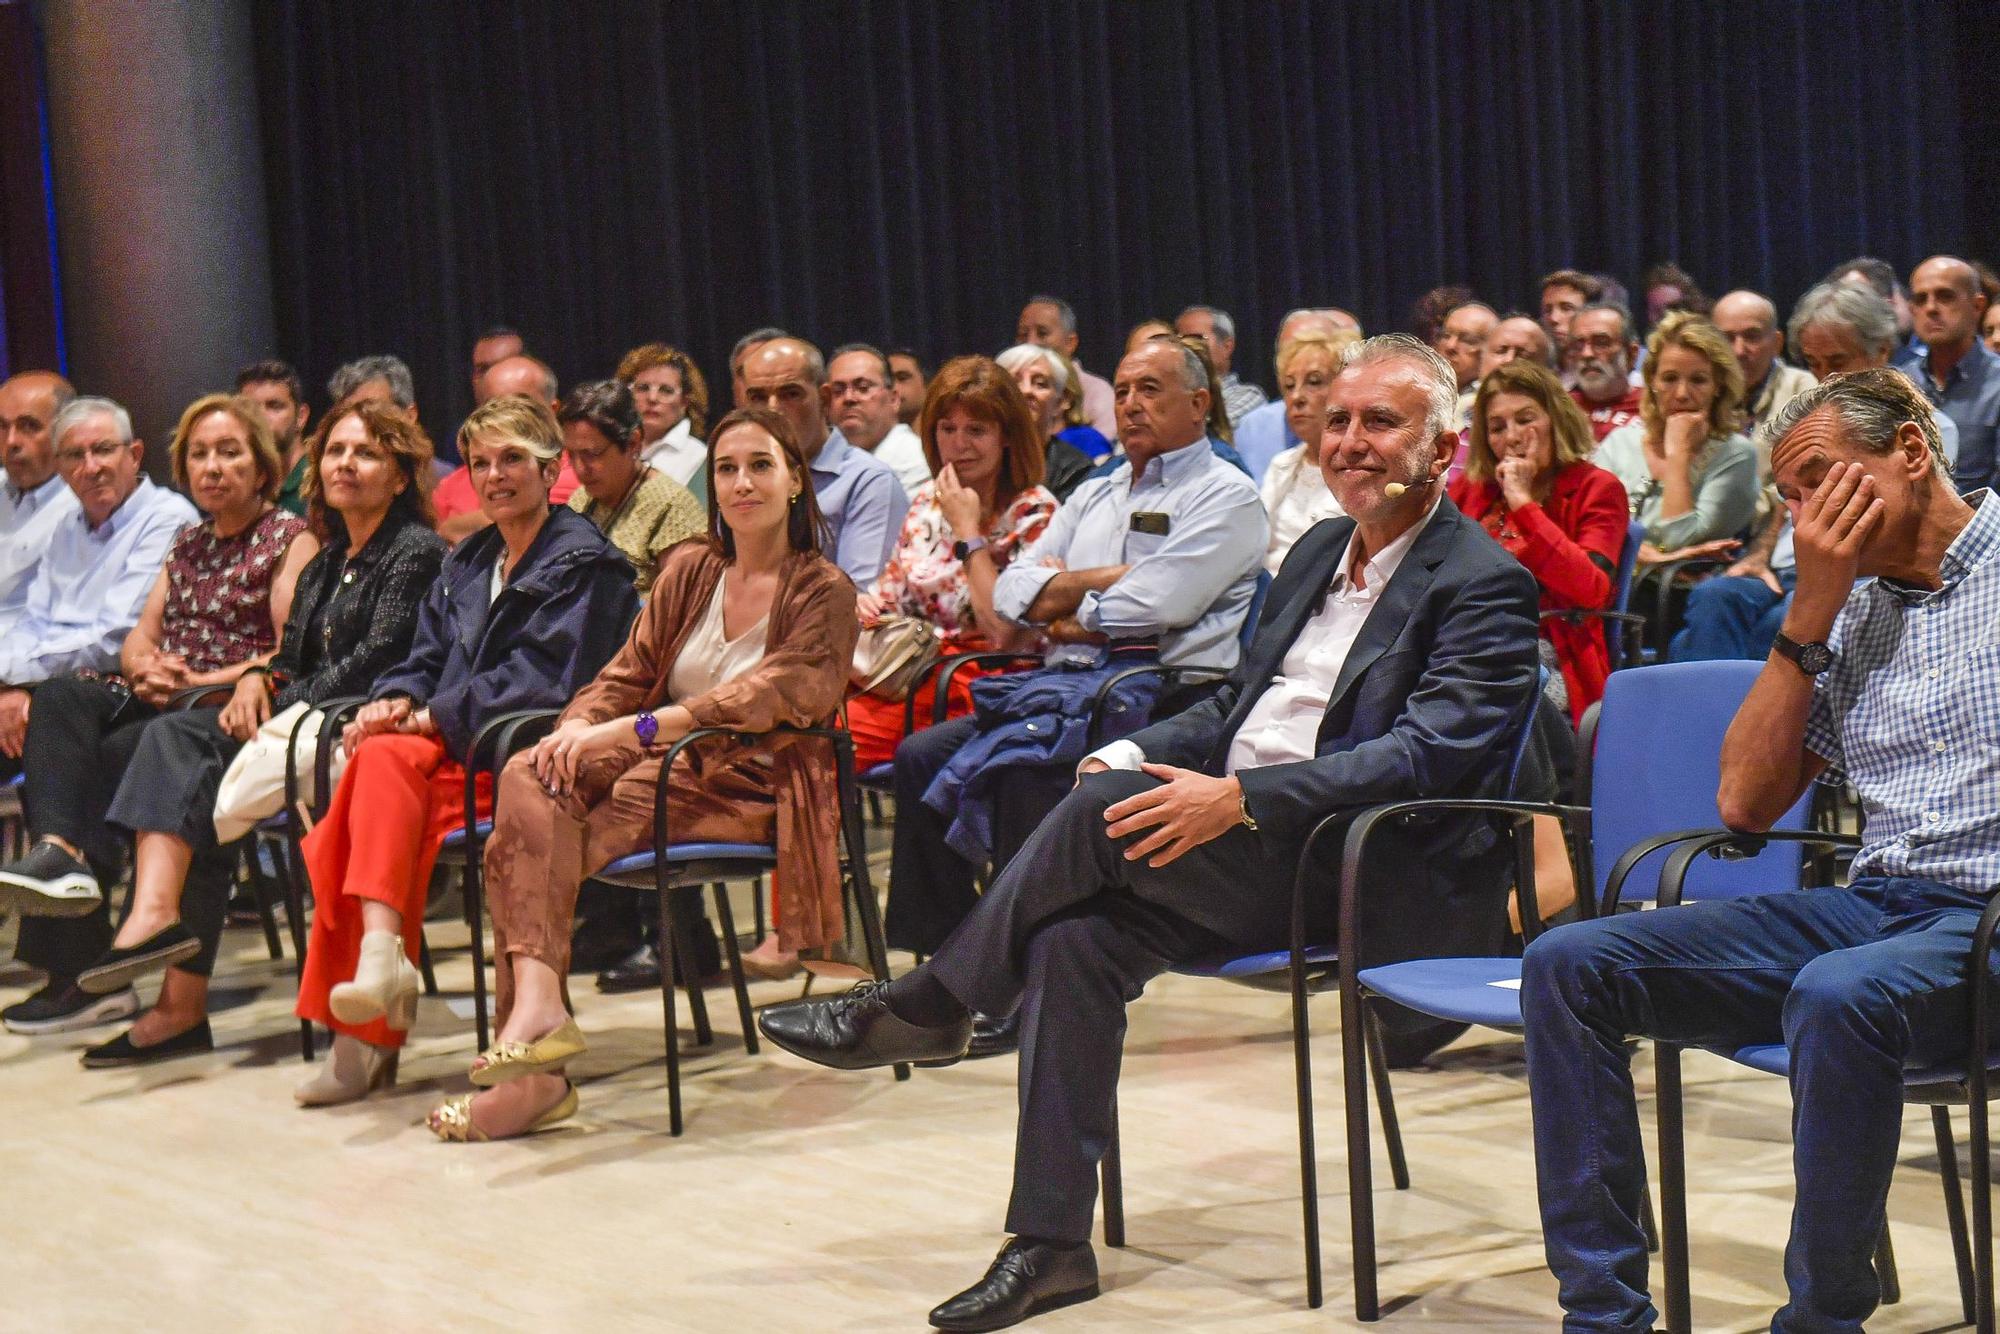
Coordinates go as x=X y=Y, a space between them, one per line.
x=1599 y=354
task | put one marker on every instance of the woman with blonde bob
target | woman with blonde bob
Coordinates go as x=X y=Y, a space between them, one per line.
x=1529 y=482
x=523 y=614
x=1294 y=489
x=1690 y=474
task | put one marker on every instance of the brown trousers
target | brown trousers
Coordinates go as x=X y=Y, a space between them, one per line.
x=543 y=847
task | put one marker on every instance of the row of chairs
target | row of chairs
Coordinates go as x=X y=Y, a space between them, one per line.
x=1651 y=767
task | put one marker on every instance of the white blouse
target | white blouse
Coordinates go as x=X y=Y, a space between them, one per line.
x=1295 y=493
x=677 y=453
x=708 y=659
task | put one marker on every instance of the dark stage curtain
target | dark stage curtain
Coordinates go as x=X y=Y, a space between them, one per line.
x=30 y=312
x=908 y=170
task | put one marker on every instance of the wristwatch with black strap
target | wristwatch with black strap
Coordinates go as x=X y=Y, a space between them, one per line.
x=1812 y=659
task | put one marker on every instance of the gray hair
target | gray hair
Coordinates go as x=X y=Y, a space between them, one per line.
x=1023 y=354
x=390 y=370
x=1625 y=330
x=1218 y=319
x=1860 y=310
x=1442 y=380
x=79 y=410
x=1065 y=313
x=1871 y=405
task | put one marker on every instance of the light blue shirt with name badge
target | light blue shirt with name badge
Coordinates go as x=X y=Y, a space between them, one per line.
x=1189 y=588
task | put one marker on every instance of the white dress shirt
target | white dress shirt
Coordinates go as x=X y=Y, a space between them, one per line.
x=1283 y=725
x=904 y=454
x=1294 y=491
x=677 y=453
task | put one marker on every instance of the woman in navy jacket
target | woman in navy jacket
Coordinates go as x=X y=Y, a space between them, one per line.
x=524 y=613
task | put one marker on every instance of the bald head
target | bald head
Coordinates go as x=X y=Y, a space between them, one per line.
x=524 y=375
x=1516 y=336
x=1750 y=322
x=785 y=376
x=1946 y=303
x=29 y=403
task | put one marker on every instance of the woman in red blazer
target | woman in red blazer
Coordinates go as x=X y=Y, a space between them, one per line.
x=1529 y=482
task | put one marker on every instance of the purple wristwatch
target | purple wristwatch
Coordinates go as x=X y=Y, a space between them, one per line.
x=646 y=726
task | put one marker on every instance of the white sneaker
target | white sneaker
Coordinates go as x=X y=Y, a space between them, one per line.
x=48 y=882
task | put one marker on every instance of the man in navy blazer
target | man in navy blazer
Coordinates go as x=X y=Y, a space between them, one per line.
x=1395 y=658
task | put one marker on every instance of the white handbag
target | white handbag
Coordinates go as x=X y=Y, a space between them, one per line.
x=253 y=787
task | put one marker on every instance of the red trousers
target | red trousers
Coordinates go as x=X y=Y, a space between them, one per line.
x=877 y=724
x=398 y=799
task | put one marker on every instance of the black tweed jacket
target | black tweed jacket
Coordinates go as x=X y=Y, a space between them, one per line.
x=353 y=619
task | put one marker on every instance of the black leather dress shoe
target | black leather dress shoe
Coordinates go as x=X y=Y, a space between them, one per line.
x=121 y=1050
x=637 y=971
x=994 y=1037
x=857 y=1031
x=1025 y=1279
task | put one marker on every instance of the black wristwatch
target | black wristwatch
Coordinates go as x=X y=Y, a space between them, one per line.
x=1812 y=659
x=964 y=547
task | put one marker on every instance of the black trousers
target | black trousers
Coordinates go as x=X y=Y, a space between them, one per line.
x=169 y=788
x=1072 y=932
x=930 y=886
x=82 y=734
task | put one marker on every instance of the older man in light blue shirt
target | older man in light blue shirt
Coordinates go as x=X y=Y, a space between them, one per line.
x=863 y=502
x=101 y=562
x=1165 y=550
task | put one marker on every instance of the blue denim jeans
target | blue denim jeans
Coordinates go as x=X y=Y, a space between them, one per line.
x=1859 y=983
x=1731 y=616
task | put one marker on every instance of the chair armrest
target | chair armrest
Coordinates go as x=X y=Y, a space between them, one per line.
x=1169 y=678
x=292 y=749
x=1980 y=1039
x=1733 y=846
x=191 y=696
x=496 y=742
x=950 y=665
x=1361 y=828
x=339 y=712
x=1631 y=625
x=843 y=752
x=1664 y=574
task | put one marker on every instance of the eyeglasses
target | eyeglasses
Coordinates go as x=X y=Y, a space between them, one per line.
x=104 y=451
x=1596 y=343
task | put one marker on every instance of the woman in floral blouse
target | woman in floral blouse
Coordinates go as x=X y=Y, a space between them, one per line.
x=986 y=503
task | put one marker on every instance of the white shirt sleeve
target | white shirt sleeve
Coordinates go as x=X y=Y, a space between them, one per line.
x=1123 y=753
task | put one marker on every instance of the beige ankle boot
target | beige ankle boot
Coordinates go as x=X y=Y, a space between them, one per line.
x=352 y=1070
x=384 y=985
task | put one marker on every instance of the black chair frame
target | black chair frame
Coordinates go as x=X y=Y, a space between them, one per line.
x=1972 y=1257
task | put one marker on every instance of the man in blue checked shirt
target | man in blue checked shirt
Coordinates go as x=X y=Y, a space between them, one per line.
x=1894 y=682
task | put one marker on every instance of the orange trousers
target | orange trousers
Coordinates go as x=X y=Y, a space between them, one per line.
x=877 y=724
x=398 y=799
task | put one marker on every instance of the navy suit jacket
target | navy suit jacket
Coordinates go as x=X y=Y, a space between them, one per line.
x=1428 y=704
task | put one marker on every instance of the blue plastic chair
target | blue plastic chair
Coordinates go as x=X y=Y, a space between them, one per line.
x=1939 y=1087
x=1651 y=753
x=1303 y=970
x=669 y=866
x=1624 y=631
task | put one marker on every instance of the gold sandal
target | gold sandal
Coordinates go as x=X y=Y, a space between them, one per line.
x=452 y=1119
x=544 y=1056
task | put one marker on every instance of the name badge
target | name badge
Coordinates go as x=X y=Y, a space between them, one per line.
x=1151 y=522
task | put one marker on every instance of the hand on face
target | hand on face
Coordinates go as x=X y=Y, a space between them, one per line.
x=960 y=504
x=1517 y=481
x=1685 y=433
x=1830 y=530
